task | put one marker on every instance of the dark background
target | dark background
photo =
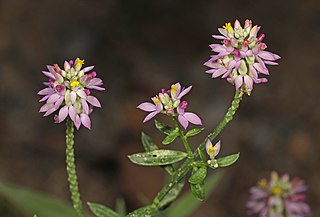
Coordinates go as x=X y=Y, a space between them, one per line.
x=138 y=48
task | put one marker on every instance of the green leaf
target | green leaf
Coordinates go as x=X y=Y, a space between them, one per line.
x=194 y=132
x=102 y=211
x=162 y=127
x=187 y=204
x=157 y=157
x=147 y=142
x=171 y=137
x=149 y=145
x=198 y=191
x=172 y=195
x=228 y=160
x=147 y=211
x=198 y=175
x=30 y=201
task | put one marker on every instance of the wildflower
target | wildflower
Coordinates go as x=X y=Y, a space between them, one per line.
x=241 y=57
x=278 y=197
x=169 y=102
x=213 y=150
x=68 y=89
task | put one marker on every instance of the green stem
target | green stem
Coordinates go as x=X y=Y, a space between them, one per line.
x=183 y=138
x=71 y=170
x=187 y=165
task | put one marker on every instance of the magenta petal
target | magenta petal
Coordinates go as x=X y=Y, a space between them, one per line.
x=253 y=72
x=72 y=113
x=93 y=101
x=220 y=37
x=193 y=118
x=147 y=106
x=238 y=81
x=85 y=120
x=149 y=116
x=271 y=63
x=184 y=92
x=63 y=113
x=183 y=121
x=58 y=77
x=217 y=148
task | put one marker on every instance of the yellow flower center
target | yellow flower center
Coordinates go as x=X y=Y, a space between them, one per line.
x=211 y=149
x=79 y=63
x=228 y=27
x=156 y=100
x=277 y=190
x=263 y=183
x=74 y=83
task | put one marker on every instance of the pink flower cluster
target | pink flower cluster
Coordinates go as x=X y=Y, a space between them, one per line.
x=169 y=102
x=241 y=57
x=68 y=89
x=278 y=197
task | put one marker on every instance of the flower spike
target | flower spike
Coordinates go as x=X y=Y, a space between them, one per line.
x=241 y=57
x=68 y=90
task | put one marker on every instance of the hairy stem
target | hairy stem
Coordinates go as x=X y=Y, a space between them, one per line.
x=71 y=170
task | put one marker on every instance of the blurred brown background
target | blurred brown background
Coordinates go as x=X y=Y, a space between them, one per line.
x=138 y=48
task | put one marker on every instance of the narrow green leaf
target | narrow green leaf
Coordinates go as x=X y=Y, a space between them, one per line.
x=198 y=176
x=102 y=211
x=172 y=195
x=202 y=155
x=30 y=201
x=162 y=127
x=147 y=211
x=187 y=204
x=170 y=138
x=228 y=160
x=198 y=191
x=157 y=157
x=147 y=142
x=194 y=132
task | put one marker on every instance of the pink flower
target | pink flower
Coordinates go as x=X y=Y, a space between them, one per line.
x=68 y=91
x=169 y=102
x=185 y=117
x=213 y=150
x=278 y=197
x=241 y=57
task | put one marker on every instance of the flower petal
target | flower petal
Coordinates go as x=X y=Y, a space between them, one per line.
x=85 y=120
x=77 y=122
x=93 y=101
x=82 y=94
x=63 y=113
x=193 y=118
x=238 y=81
x=85 y=106
x=48 y=74
x=53 y=98
x=268 y=55
x=248 y=82
x=184 y=92
x=147 y=107
x=183 y=121
x=149 y=116
x=73 y=96
x=72 y=113
x=88 y=68
x=46 y=91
